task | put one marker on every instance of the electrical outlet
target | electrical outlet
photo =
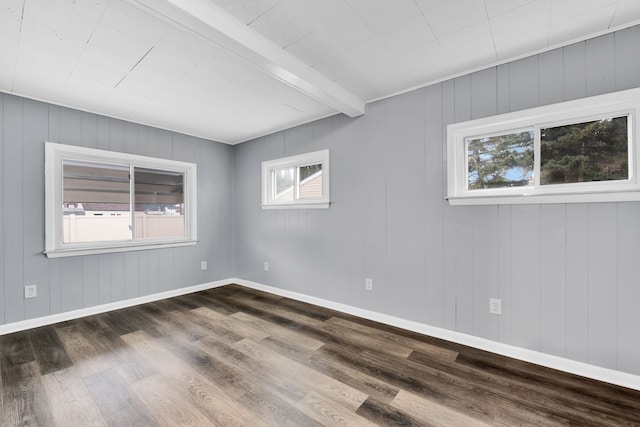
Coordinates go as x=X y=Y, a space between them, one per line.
x=368 y=284
x=266 y=266
x=203 y=265
x=495 y=306
x=30 y=291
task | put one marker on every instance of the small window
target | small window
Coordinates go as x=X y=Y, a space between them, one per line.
x=578 y=151
x=99 y=201
x=296 y=182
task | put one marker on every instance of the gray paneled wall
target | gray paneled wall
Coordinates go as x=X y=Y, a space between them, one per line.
x=567 y=273
x=66 y=284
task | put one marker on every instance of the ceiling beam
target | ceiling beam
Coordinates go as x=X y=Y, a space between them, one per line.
x=212 y=23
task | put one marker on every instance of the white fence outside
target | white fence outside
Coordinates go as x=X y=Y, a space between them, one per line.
x=115 y=226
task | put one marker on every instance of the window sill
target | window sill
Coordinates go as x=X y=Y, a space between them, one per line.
x=61 y=253
x=298 y=206
x=520 y=199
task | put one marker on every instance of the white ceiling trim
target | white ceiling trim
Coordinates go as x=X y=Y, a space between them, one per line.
x=212 y=23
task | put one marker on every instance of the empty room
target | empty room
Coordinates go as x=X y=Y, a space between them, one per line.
x=319 y=212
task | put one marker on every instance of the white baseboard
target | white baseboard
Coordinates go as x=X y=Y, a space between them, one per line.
x=560 y=363
x=574 y=367
x=83 y=312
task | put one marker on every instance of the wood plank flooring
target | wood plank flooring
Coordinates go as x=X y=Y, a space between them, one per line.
x=233 y=356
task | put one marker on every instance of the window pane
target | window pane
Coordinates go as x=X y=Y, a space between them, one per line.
x=159 y=203
x=585 y=152
x=500 y=161
x=95 y=202
x=310 y=182
x=283 y=184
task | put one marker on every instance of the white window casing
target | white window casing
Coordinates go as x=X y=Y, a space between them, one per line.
x=623 y=103
x=57 y=155
x=310 y=193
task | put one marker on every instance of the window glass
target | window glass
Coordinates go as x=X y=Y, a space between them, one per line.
x=100 y=201
x=583 y=152
x=159 y=203
x=95 y=202
x=310 y=184
x=296 y=182
x=284 y=180
x=500 y=161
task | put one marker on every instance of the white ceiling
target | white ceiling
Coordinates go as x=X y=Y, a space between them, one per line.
x=232 y=70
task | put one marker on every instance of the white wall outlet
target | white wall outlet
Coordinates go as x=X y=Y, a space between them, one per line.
x=203 y=265
x=495 y=306
x=368 y=284
x=266 y=266
x=30 y=291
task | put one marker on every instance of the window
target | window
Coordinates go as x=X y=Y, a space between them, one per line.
x=296 y=182
x=577 y=151
x=100 y=201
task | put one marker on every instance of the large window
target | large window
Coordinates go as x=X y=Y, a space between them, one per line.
x=577 y=151
x=296 y=182
x=100 y=201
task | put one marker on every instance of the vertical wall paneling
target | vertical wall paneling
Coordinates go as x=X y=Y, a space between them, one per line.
x=434 y=218
x=89 y=129
x=103 y=136
x=90 y=281
x=462 y=100
x=600 y=65
x=553 y=278
x=603 y=284
x=484 y=98
x=55 y=284
x=505 y=269
x=104 y=278
x=485 y=270
x=13 y=209
x=575 y=74
x=551 y=77
x=70 y=126
x=523 y=84
x=130 y=137
x=502 y=88
x=577 y=271
x=36 y=268
x=132 y=275
x=525 y=277
x=628 y=340
x=116 y=135
x=627 y=62
x=375 y=203
x=71 y=276
x=450 y=248
x=406 y=201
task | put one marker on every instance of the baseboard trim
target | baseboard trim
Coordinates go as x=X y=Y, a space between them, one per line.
x=571 y=366
x=555 y=362
x=103 y=308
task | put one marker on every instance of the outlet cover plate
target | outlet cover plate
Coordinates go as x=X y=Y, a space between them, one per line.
x=203 y=265
x=495 y=306
x=30 y=291
x=368 y=284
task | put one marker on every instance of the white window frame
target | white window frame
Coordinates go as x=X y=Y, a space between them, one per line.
x=56 y=153
x=314 y=158
x=582 y=110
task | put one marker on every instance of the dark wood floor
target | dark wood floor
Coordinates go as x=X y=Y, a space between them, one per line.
x=233 y=356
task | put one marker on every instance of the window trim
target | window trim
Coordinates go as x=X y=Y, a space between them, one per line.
x=581 y=110
x=316 y=157
x=56 y=153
